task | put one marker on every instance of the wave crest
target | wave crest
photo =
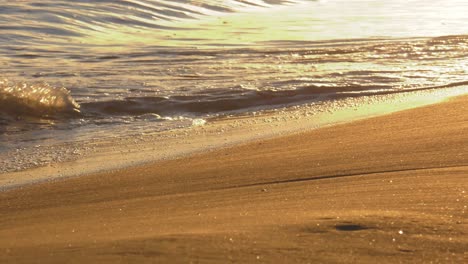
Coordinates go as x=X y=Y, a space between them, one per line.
x=40 y=99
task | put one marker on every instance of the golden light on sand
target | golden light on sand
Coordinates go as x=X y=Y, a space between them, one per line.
x=234 y=131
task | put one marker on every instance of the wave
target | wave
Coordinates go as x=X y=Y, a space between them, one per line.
x=216 y=102
x=20 y=99
x=236 y=101
x=35 y=100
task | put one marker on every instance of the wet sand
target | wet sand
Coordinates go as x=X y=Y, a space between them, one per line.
x=391 y=189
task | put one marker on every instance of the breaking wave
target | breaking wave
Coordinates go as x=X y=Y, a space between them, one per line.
x=41 y=99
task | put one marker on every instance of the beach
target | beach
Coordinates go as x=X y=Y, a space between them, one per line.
x=391 y=188
x=266 y=131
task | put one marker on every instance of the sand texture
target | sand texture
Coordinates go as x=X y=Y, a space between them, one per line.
x=387 y=189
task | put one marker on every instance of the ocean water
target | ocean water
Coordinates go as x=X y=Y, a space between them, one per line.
x=82 y=70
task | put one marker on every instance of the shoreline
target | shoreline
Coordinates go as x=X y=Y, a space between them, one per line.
x=120 y=153
x=391 y=188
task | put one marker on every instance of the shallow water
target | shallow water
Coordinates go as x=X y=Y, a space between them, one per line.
x=84 y=70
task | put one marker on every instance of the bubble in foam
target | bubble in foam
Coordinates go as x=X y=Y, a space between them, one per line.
x=198 y=122
x=35 y=99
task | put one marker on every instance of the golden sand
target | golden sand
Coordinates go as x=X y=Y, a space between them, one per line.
x=389 y=189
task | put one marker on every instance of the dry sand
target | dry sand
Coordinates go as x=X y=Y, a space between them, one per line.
x=389 y=189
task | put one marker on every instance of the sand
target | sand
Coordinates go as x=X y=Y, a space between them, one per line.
x=390 y=189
